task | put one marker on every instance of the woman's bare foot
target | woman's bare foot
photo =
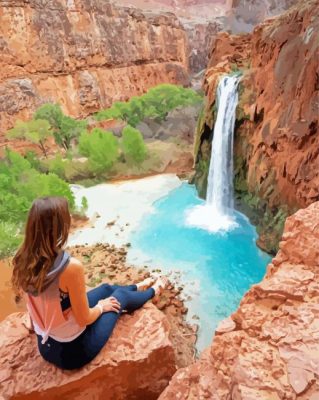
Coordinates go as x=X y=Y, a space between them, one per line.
x=160 y=284
x=145 y=284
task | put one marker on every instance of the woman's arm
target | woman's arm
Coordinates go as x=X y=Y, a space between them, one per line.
x=74 y=281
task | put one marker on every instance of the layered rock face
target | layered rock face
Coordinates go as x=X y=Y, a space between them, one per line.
x=83 y=54
x=276 y=137
x=137 y=362
x=269 y=348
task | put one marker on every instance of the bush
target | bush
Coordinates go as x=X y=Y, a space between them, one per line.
x=156 y=103
x=133 y=146
x=101 y=148
x=64 y=128
x=32 y=157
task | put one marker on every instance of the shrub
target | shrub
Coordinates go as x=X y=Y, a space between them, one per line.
x=32 y=157
x=101 y=148
x=133 y=145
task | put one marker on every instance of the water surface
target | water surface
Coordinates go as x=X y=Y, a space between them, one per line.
x=216 y=268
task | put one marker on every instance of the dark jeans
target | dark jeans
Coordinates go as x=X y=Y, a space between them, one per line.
x=83 y=349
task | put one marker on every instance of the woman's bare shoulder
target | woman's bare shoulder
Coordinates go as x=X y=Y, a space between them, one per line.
x=74 y=267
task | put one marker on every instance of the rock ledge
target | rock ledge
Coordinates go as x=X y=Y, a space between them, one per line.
x=137 y=362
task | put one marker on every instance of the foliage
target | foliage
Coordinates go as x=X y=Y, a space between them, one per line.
x=133 y=146
x=64 y=128
x=35 y=131
x=20 y=184
x=32 y=157
x=84 y=204
x=101 y=148
x=156 y=103
x=57 y=166
x=10 y=238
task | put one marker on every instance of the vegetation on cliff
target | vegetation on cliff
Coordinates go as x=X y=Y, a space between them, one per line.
x=156 y=103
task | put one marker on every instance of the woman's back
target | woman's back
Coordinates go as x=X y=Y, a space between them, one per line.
x=47 y=314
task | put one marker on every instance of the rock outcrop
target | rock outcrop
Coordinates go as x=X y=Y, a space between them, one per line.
x=269 y=348
x=83 y=54
x=137 y=362
x=276 y=135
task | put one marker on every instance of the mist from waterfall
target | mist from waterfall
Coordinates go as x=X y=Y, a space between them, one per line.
x=218 y=212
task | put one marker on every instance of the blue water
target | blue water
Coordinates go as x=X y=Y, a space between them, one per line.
x=216 y=269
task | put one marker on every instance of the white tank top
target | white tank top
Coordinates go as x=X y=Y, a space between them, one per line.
x=65 y=332
x=46 y=312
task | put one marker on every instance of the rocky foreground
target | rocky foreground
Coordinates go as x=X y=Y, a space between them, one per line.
x=269 y=348
x=137 y=362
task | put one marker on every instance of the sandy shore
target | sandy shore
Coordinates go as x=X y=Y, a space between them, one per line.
x=116 y=209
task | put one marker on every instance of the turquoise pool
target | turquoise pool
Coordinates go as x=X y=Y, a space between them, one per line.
x=216 y=268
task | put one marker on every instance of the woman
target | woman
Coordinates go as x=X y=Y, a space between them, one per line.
x=72 y=326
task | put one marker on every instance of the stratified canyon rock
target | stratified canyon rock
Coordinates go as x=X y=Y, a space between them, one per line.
x=269 y=348
x=276 y=136
x=83 y=54
x=137 y=362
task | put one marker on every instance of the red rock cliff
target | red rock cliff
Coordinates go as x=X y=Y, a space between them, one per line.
x=269 y=348
x=276 y=137
x=83 y=54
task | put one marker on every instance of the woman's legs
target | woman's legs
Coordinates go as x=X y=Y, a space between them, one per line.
x=105 y=290
x=98 y=333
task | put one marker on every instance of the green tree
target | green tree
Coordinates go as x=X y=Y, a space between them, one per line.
x=64 y=128
x=34 y=131
x=156 y=103
x=101 y=148
x=133 y=145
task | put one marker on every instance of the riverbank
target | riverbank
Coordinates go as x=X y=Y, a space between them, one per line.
x=115 y=210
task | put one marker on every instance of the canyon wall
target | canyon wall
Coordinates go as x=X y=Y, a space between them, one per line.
x=269 y=348
x=276 y=136
x=83 y=54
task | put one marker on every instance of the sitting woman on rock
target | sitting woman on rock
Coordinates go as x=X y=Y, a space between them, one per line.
x=72 y=325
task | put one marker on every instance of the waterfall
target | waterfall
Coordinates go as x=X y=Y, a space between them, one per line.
x=217 y=214
x=220 y=177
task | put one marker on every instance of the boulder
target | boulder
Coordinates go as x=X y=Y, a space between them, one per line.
x=136 y=363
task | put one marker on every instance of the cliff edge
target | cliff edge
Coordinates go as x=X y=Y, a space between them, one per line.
x=137 y=362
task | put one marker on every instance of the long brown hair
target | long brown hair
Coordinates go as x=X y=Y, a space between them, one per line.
x=46 y=232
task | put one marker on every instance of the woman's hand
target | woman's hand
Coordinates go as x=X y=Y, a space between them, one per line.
x=110 y=304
